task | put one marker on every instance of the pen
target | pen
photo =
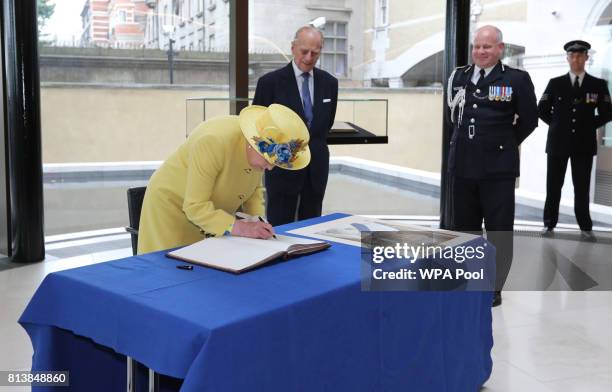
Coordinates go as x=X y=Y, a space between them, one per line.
x=262 y=220
x=185 y=267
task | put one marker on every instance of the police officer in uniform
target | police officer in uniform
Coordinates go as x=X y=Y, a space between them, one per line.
x=492 y=108
x=574 y=105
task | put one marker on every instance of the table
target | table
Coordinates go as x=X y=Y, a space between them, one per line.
x=301 y=325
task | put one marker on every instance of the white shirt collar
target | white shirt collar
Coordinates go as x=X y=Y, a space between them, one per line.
x=298 y=72
x=580 y=75
x=487 y=70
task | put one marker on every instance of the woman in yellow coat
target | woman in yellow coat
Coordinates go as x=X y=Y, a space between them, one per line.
x=218 y=171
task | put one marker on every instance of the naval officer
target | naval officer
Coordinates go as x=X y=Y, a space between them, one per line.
x=492 y=108
x=574 y=105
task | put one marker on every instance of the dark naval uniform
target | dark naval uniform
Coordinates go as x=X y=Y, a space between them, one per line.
x=573 y=115
x=483 y=160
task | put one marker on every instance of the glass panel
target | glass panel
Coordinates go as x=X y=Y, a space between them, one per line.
x=545 y=59
x=364 y=64
x=341 y=29
x=109 y=113
x=603 y=60
x=341 y=45
x=606 y=73
x=340 y=65
x=328 y=29
x=327 y=62
x=328 y=45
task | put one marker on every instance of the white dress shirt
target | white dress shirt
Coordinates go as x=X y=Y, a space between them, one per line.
x=476 y=74
x=300 y=79
x=573 y=77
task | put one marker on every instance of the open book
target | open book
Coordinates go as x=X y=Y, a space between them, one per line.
x=239 y=254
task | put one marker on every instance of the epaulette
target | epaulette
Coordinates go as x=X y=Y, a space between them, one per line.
x=505 y=67
x=464 y=68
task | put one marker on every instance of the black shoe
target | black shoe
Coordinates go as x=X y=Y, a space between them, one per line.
x=497 y=300
x=587 y=236
x=548 y=232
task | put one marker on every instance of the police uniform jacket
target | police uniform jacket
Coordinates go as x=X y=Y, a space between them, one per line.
x=573 y=115
x=196 y=191
x=486 y=135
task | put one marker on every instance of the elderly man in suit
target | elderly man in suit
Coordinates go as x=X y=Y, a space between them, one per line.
x=574 y=105
x=312 y=93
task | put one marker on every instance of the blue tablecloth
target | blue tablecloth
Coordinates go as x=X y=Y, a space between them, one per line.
x=301 y=325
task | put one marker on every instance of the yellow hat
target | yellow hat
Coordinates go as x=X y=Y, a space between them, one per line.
x=278 y=134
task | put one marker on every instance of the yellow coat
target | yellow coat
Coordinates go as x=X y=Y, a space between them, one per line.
x=197 y=190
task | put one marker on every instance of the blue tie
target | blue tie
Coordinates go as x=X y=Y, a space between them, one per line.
x=306 y=99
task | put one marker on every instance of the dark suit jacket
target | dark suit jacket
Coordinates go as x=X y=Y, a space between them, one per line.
x=489 y=113
x=571 y=116
x=280 y=86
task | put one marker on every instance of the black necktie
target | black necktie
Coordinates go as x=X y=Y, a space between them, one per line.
x=576 y=82
x=482 y=73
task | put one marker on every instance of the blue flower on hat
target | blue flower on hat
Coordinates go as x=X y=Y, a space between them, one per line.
x=262 y=146
x=281 y=154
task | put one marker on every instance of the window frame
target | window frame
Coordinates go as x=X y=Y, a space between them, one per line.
x=331 y=36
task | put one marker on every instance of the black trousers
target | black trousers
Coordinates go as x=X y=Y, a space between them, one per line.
x=282 y=207
x=556 y=166
x=491 y=201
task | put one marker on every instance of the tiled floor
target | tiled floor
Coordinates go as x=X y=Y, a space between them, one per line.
x=552 y=341
x=544 y=341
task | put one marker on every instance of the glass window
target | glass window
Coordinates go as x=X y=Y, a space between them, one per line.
x=327 y=62
x=370 y=65
x=340 y=60
x=335 y=42
x=541 y=54
x=341 y=45
x=108 y=113
x=602 y=61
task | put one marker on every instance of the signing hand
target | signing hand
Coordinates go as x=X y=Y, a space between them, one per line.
x=256 y=229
